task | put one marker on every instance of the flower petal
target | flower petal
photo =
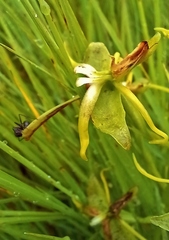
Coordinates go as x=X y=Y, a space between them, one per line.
x=85 y=69
x=163 y=30
x=83 y=80
x=109 y=115
x=153 y=43
x=85 y=112
x=146 y=174
x=138 y=105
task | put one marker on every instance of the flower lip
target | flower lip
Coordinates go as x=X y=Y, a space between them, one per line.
x=92 y=75
x=85 y=69
x=83 y=80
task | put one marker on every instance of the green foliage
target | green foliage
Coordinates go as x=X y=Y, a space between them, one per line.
x=161 y=221
x=44 y=182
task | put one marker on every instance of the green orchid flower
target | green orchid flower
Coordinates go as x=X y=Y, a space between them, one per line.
x=103 y=74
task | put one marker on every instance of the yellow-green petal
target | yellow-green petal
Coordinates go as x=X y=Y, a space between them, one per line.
x=148 y=175
x=109 y=115
x=163 y=30
x=153 y=43
x=138 y=105
x=85 y=112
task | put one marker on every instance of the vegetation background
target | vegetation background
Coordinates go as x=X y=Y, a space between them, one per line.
x=47 y=191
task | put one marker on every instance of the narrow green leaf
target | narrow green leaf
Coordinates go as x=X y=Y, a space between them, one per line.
x=35 y=236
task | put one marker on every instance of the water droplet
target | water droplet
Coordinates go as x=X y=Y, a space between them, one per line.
x=5 y=142
x=16 y=194
x=76 y=197
x=39 y=43
x=36 y=15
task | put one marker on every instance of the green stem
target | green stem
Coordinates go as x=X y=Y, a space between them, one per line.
x=157 y=87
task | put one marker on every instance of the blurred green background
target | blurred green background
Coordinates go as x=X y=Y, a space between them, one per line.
x=46 y=190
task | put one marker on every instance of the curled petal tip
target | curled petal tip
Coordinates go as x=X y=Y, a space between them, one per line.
x=154 y=40
x=163 y=30
x=146 y=174
x=83 y=156
x=159 y=141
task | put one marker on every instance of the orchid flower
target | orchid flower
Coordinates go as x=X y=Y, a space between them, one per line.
x=103 y=75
